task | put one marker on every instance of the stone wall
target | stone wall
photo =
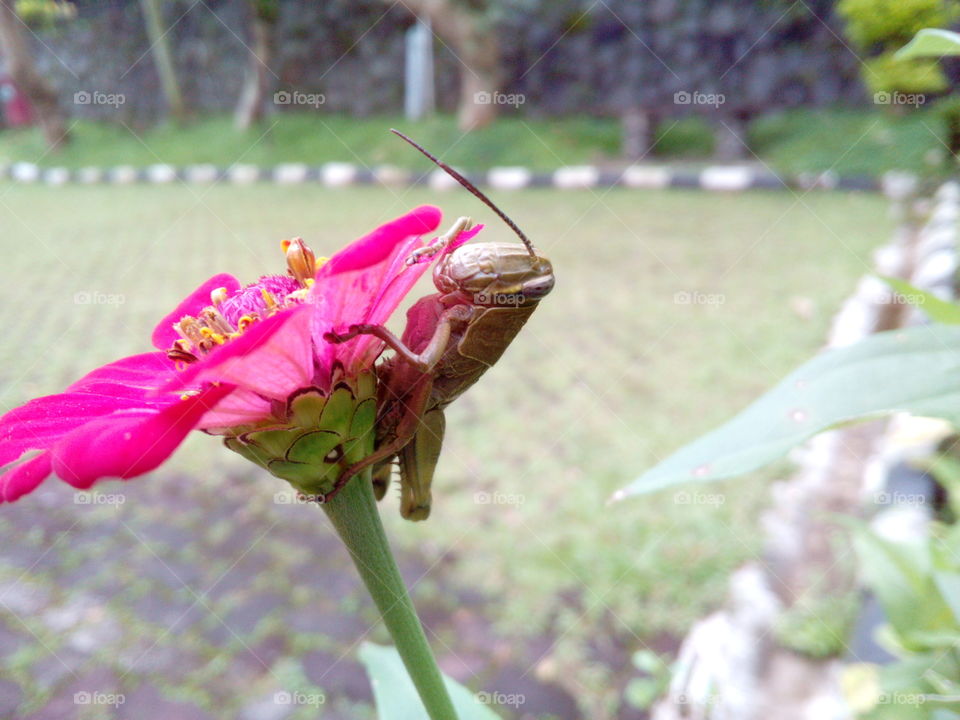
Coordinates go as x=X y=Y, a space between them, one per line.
x=563 y=56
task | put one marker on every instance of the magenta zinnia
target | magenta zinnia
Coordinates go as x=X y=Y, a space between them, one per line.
x=249 y=363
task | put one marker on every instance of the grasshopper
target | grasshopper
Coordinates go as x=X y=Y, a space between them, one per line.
x=487 y=291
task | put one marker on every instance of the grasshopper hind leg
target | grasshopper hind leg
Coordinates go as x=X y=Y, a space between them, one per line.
x=418 y=462
x=381 y=477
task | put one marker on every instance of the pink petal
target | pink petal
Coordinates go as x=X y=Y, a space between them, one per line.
x=130 y=443
x=376 y=246
x=127 y=383
x=136 y=376
x=164 y=335
x=273 y=357
x=42 y=421
x=346 y=292
x=24 y=478
x=241 y=407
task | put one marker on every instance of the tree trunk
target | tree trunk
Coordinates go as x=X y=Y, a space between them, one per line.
x=259 y=77
x=638 y=131
x=162 y=58
x=20 y=65
x=472 y=39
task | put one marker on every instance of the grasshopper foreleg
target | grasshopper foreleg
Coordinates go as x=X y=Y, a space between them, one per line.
x=461 y=225
x=423 y=361
x=415 y=400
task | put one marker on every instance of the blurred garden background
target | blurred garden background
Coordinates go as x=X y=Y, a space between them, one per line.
x=204 y=590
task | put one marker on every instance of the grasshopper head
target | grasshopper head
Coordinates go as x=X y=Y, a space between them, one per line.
x=495 y=273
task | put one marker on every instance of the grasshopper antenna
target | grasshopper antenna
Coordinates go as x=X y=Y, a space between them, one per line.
x=473 y=189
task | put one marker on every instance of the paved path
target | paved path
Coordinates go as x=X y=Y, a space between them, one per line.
x=169 y=598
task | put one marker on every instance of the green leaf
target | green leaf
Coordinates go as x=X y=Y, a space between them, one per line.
x=931 y=43
x=397 y=698
x=936 y=309
x=915 y=370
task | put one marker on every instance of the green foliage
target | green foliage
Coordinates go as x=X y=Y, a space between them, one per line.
x=918 y=585
x=820 y=627
x=893 y=22
x=885 y=26
x=397 y=698
x=912 y=370
x=933 y=43
x=687 y=137
x=889 y=73
x=936 y=309
x=317 y=138
x=851 y=142
x=642 y=692
x=43 y=13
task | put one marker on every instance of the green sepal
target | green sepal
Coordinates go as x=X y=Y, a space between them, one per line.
x=338 y=412
x=308 y=478
x=307 y=407
x=320 y=438
x=314 y=446
x=274 y=443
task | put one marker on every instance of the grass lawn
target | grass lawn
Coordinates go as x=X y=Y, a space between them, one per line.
x=850 y=142
x=672 y=311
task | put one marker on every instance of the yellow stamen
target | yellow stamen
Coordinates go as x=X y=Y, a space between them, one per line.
x=211 y=335
x=269 y=299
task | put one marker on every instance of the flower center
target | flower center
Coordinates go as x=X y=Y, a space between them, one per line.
x=228 y=316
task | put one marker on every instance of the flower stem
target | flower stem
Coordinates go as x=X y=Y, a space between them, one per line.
x=356 y=519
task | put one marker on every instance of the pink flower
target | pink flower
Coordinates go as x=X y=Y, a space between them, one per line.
x=230 y=360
